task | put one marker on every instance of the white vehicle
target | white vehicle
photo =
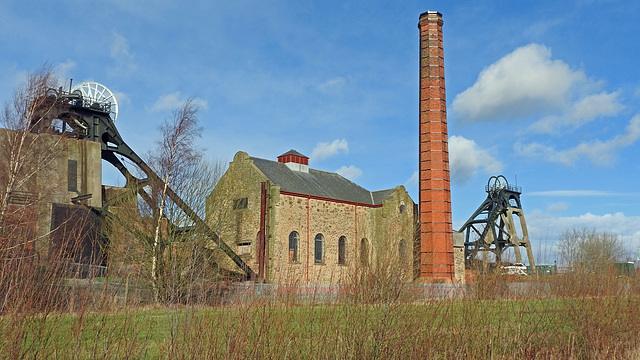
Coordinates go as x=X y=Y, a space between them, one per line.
x=515 y=269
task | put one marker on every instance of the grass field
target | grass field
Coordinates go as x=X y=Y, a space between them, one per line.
x=585 y=318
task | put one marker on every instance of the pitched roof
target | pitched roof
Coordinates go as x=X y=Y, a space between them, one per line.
x=293 y=152
x=380 y=195
x=318 y=183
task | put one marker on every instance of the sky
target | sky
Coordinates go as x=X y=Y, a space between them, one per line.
x=545 y=93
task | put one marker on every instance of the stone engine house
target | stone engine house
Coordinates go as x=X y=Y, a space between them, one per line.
x=296 y=225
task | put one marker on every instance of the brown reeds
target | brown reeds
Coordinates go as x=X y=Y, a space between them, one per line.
x=578 y=316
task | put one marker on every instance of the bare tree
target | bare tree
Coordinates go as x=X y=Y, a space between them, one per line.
x=168 y=245
x=23 y=152
x=185 y=266
x=26 y=157
x=189 y=272
x=173 y=160
x=588 y=248
x=30 y=151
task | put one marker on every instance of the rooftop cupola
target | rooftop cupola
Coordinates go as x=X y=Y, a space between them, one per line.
x=295 y=161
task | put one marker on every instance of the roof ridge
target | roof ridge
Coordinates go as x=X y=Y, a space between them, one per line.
x=389 y=189
x=294 y=152
x=326 y=184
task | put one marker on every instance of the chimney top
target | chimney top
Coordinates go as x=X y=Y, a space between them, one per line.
x=292 y=152
x=431 y=13
x=294 y=161
x=429 y=17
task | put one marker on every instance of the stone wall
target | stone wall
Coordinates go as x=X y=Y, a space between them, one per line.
x=233 y=211
x=309 y=218
x=458 y=257
x=394 y=224
x=380 y=229
x=52 y=165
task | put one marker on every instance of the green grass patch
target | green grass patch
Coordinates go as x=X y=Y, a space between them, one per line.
x=575 y=327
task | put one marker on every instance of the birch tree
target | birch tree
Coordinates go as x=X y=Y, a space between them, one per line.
x=29 y=149
x=25 y=153
x=175 y=156
x=190 y=268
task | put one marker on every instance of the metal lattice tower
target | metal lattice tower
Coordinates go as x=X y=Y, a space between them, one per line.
x=496 y=226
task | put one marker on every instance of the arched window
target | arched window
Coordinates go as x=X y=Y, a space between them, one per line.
x=293 y=246
x=342 y=250
x=364 y=252
x=318 y=246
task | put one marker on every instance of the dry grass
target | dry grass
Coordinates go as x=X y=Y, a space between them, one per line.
x=567 y=316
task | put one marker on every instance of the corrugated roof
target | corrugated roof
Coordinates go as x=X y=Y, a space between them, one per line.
x=318 y=183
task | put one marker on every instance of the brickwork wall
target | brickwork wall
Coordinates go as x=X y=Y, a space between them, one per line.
x=436 y=249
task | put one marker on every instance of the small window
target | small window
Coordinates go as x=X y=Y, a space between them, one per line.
x=293 y=246
x=72 y=175
x=402 y=250
x=319 y=244
x=244 y=248
x=402 y=209
x=342 y=250
x=240 y=203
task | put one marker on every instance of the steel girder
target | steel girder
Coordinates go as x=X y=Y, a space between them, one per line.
x=94 y=123
x=493 y=227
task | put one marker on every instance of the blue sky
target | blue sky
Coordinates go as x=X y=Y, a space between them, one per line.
x=545 y=92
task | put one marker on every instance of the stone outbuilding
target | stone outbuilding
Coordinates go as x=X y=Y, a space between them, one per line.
x=48 y=208
x=296 y=225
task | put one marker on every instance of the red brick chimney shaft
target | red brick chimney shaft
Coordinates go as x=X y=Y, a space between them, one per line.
x=436 y=234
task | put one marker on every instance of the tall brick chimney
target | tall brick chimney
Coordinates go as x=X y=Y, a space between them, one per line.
x=436 y=234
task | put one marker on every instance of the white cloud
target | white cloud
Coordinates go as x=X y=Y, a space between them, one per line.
x=122 y=56
x=539 y=29
x=593 y=106
x=412 y=182
x=174 y=101
x=350 y=172
x=581 y=112
x=543 y=225
x=166 y=102
x=524 y=82
x=121 y=97
x=63 y=69
x=559 y=206
x=332 y=85
x=412 y=186
x=324 y=150
x=123 y=101
x=465 y=158
x=600 y=153
x=571 y=193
